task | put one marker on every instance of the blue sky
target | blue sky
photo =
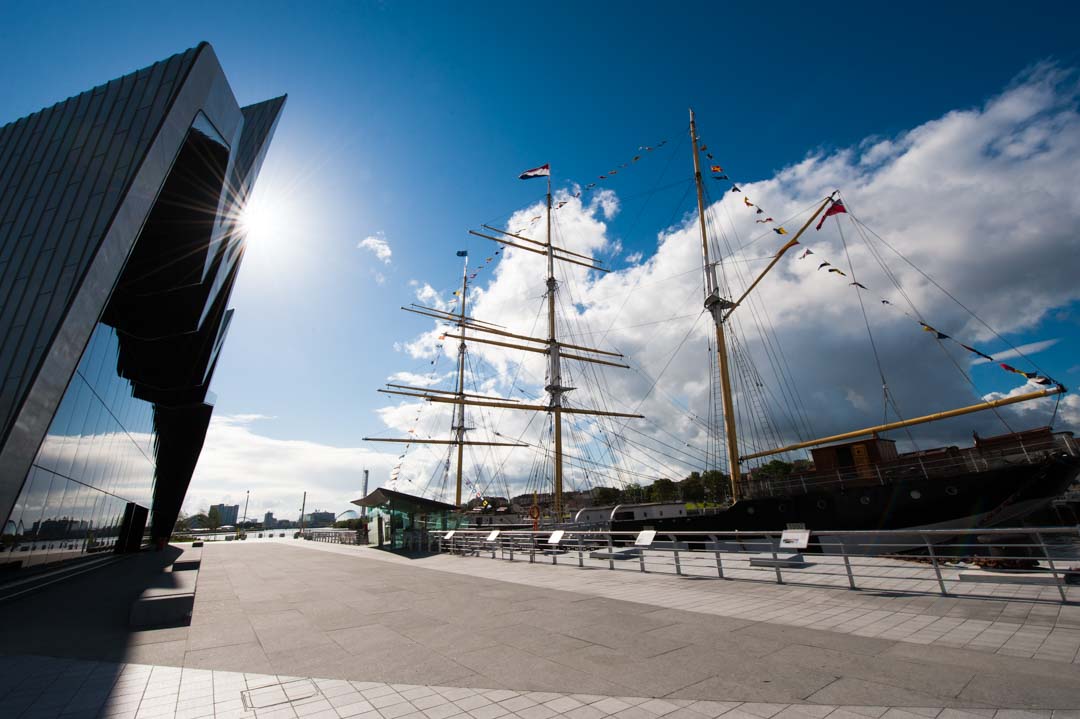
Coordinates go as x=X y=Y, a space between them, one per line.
x=409 y=121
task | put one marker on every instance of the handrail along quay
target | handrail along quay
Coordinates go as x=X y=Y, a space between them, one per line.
x=939 y=464
x=1018 y=564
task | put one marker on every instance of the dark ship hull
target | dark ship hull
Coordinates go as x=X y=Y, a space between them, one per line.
x=966 y=491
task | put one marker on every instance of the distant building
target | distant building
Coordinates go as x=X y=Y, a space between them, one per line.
x=268 y=521
x=319 y=519
x=227 y=513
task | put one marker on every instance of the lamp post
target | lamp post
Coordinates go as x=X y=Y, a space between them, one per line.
x=247 y=498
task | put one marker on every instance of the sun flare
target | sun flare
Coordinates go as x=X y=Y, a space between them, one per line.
x=265 y=219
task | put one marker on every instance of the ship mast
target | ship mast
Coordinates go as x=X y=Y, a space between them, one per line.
x=549 y=346
x=721 y=308
x=554 y=388
x=459 y=409
x=458 y=398
x=716 y=306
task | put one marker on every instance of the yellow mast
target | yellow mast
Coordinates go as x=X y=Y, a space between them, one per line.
x=459 y=410
x=554 y=388
x=553 y=350
x=716 y=307
x=916 y=420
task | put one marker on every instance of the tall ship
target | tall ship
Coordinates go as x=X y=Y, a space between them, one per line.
x=850 y=480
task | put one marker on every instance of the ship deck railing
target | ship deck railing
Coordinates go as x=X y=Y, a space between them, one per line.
x=913 y=467
x=1014 y=564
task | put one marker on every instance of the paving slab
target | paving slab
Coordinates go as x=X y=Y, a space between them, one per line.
x=648 y=642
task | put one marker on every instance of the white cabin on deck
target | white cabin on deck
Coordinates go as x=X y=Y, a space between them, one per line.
x=647 y=510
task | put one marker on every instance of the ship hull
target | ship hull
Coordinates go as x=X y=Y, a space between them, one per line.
x=991 y=498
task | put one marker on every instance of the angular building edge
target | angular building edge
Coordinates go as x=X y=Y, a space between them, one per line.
x=119 y=239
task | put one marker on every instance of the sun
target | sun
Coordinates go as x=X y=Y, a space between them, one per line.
x=265 y=220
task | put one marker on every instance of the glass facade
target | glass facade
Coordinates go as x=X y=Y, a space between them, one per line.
x=110 y=211
x=99 y=455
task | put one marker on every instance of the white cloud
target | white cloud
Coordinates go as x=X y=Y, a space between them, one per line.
x=236 y=458
x=635 y=257
x=1021 y=351
x=417 y=380
x=378 y=245
x=980 y=199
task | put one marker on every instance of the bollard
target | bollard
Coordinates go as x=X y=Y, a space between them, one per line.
x=611 y=552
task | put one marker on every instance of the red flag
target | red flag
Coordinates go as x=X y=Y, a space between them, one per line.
x=836 y=209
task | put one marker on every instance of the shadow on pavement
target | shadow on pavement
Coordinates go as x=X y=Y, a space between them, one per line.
x=85 y=616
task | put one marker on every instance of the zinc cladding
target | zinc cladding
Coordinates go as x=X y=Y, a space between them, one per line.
x=63 y=173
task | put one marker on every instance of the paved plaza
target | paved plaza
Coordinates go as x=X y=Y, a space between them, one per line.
x=295 y=629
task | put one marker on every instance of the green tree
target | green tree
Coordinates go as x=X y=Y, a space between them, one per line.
x=662 y=490
x=213 y=519
x=692 y=488
x=183 y=523
x=606 y=495
x=776 y=469
x=717 y=485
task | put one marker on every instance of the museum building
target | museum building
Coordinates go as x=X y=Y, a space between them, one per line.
x=120 y=243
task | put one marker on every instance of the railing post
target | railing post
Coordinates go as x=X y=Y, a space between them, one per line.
x=847 y=566
x=611 y=552
x=933 y=558
x=1024 y=450
x=1053 y=570
x=719 y=562
x=776 y=560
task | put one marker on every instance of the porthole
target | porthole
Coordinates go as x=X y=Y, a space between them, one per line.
x=951 y=491
x=916 y=494
x=864 y=500
x=822 y=504
x=781 y=507
x=750 y=510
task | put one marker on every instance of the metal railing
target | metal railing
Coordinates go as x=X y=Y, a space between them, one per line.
x=1018 y=564
x=333 y=536
x=927 y=466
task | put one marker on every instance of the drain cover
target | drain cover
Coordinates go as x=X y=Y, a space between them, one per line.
x=275 y=694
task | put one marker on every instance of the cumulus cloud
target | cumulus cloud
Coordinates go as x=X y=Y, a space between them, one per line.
x=378 y=245
x=237 y=458
x=979 y=199
x=417 y=380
